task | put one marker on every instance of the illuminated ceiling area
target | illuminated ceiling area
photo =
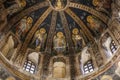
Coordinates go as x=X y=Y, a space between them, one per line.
x=59 y=39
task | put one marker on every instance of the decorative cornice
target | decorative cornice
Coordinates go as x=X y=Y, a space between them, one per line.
x=96 y=73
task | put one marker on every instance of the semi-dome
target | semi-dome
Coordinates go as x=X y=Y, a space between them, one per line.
x=59 y=39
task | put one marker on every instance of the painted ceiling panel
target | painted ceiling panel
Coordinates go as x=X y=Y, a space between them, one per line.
x=67 y=28
x=87 y=19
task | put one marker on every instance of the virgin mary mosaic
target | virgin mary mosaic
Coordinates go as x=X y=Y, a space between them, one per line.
x=58 y=4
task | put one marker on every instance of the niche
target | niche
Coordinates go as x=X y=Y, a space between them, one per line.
x=59 y=68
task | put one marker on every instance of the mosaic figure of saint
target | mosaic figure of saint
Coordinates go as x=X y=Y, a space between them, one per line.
x=40 y=38
x=24 y=26
x=102 y=5
x=58 y=4
x=59 y=42
x=95 y=25
x=16 y=6
x=77 y=39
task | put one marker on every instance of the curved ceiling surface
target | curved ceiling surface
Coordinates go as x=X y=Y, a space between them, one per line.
x=54 y=20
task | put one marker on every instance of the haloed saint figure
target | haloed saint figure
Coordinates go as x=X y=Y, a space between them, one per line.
x=58 y=4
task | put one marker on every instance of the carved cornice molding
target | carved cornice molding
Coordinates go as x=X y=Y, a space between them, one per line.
x=92 y=75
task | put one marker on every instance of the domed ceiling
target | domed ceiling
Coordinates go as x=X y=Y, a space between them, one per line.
x=54 y=28
x=51 y=20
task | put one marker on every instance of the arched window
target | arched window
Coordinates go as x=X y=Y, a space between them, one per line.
x=88 y=67
x=113 y=46
x=29 y=66
x=108 y=45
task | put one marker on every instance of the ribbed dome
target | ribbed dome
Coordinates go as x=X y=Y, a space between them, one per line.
x=72 y=32
x=79 y=22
